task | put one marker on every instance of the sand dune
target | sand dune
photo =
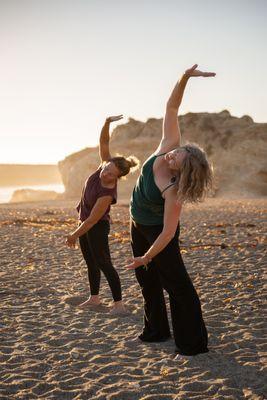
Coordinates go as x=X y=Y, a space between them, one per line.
x=50 y=349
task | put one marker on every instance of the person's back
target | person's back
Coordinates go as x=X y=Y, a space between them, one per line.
x=147 y=203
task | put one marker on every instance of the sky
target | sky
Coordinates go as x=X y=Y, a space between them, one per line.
x=66 y=65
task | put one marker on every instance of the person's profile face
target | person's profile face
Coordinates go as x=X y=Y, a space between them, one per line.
x=175 y=158
x=109 y=173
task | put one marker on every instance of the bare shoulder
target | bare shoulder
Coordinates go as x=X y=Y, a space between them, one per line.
x=170 y=195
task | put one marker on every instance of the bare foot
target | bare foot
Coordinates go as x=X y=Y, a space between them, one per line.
x=133 y=342
x=90 y=302
x=118 y=309
x=182 y=358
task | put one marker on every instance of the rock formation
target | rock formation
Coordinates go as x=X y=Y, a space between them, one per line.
x=235 y=146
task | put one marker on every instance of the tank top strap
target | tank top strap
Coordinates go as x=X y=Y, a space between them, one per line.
x=167 y=187
x=161 y=154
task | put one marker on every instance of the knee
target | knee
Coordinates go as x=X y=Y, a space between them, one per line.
x=108 y=269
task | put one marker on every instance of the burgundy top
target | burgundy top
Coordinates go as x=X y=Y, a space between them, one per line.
x=91 y=192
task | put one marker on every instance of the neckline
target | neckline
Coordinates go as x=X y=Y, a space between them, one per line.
x=161 y=154
x=106 y=187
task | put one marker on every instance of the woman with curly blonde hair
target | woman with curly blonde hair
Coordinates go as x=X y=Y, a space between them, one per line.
x=99 y=193
x=171 y=176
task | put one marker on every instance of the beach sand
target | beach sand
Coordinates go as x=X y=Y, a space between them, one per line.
x=50 y=349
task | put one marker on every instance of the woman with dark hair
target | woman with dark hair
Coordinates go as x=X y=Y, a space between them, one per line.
x=172 y=175
x=99 y=193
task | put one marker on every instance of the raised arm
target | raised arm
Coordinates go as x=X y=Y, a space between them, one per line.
x=171 y=136
x=104 y=138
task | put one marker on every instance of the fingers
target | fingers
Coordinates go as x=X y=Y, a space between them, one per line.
x=70 y=244
x=193 y=72
x=198 y=73
x=209 y=74
x=130 y=265
x=116 y=117
x=194 y=67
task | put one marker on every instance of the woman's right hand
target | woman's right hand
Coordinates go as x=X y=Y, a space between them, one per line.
x=137 y=262
x=71 y=241
x=193 y=71
x=114 y=118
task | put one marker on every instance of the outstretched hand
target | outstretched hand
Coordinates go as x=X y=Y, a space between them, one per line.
x=136 y=262
x=193 y=71
x=71 y=241
x=114 y=118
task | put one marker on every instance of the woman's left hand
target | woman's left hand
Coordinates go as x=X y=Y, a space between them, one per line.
x=71 y=241
x=113 y=118
x=136 y=262
x=193 y=71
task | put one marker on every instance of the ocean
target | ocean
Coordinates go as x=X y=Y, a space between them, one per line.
x=7 y=191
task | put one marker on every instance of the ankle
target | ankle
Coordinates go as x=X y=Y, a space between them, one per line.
x=94 y=297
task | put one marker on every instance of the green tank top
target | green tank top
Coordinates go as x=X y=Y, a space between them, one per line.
x=147 y=203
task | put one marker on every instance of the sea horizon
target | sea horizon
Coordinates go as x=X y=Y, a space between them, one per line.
x=6 y=192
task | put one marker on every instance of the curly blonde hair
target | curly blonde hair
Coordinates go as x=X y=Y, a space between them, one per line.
x=194 y=175
x=125 y=164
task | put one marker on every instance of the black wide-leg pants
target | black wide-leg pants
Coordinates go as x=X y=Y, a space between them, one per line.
x=167 y=271
x=95 y=249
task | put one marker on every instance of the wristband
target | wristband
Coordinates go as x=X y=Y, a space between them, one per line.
x=148 y=257
x=147 y=260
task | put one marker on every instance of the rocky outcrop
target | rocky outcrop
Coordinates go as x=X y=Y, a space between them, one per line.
x=235 y=146
x=75 y=169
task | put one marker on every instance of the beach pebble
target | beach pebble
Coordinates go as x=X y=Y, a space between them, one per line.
x=74 y=353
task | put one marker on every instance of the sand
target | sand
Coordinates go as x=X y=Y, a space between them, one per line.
x=50 y=349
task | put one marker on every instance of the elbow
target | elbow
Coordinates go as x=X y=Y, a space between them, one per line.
x=90 y=221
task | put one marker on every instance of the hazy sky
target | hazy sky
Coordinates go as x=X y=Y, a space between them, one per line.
x=66 y=65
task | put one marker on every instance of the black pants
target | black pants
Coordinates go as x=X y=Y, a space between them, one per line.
x=95 y=250
x=167 y=271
